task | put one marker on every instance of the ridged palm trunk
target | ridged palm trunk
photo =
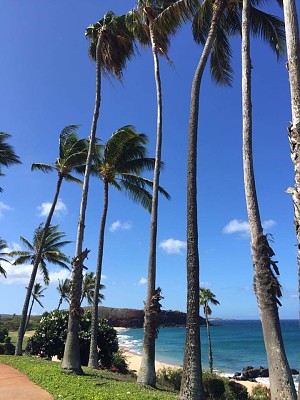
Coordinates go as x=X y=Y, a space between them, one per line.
x=29 y=315
x=210 y=354
x=71 y=359
x=191 y=384
x=293 y=51
x=93 y=357
x=266 y=285
x=146 y=373
x=18 y=351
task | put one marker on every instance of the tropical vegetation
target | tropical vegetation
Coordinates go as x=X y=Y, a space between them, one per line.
x=8 y=156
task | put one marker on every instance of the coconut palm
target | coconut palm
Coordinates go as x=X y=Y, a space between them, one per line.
x=72 y=154
x=213 y=23
x=266 y=285
x=119 y=163
x=7 y=153
x=88 y=289
x=50 y=253
x=293 y=53
x=152 y=22
x=37 y=294
x=63 y=289
x=3 y=255
x=111 y=45
x=207 y=297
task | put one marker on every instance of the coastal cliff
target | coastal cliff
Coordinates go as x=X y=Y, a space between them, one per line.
x=131 y=318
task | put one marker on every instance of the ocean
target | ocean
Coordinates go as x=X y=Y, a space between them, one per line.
x=235 y=344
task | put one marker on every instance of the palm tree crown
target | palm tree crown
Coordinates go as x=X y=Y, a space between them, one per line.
x=3 y=245
x=7 y=154
x=206 y=297
x=88 y=288
x=51 y=252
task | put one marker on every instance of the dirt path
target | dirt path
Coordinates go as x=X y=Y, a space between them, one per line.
x=16 y=386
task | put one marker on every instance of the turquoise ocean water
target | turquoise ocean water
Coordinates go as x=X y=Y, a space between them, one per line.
x=236 y=344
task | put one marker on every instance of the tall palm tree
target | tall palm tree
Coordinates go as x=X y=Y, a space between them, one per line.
x=206 y=297
x=119 y=163
x=72 y=154
x=51 y=253
x=37 y=294
x=293 y=53
x=266 y=285
x=3 y=255
x=88 y=289
x=213 y=23
x=63 y=289
x=152 y=22
x=7 y=153
x=111 y=45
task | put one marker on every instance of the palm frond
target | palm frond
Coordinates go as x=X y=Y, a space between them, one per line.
x=67 y=131
x=137 y=194
x=202 y=20
x=70 y=178
x=220 y=61
x=7 y=153
x=22 y=259
x=42 y=167
x=44 y=272
x=2 y=271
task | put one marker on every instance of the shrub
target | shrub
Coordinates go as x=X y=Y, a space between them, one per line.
x=50 y=336
x=3 y=334
x=119 y=362
x=169 y=377
x=213 y=385
x=9 y=348
x=235 y=391
x=260 y=392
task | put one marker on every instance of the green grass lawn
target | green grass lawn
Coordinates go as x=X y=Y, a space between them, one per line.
x=14 y=337
x=94 y=385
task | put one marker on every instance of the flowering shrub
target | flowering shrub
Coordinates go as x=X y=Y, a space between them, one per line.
x=50 y=336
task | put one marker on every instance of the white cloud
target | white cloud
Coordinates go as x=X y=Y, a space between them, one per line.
x=44 y=208
x=172 y=246
x=142 y=281
x=3 y=207
x=242 y=227
x=119 y=226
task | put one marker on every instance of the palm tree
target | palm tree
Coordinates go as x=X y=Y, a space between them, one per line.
x=50 y=253
x=206 y=297
x=266 y=285
x=63 y=289
x=3 y=245
x=293 y=53
x=7 y=153
x=119 y=163
x=111 y=45
x=214 y=21
x=88 y=289
x=37 y=294
x=72 y=154
x=152 y=22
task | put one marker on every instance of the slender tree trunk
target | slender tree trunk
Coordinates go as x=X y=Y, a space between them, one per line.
x=93 y=357
x=191 y=383
x=18 y=351
x=293 y=52
x=146 y=373
x=59 y=303
x=28 y=318
x=266 y=285
x=210 y=355
x=71 y=359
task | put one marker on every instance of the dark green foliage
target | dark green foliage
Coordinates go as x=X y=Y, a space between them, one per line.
x=119 y=362
x=214 y=388
x=49 y=339
x=6 y=347
x=3 y=334
x=169 y=377
x=260 y=392
x=9 y=348
x=235 y=391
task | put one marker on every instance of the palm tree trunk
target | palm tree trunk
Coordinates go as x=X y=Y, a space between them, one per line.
x=18 y=351
x=265 y=283
x=191 y=383
x=59 y=303
x=71 y=359
x=93 y=357
x=146 y=373
x=210 y=356
x=293 y=51
x=28 y=318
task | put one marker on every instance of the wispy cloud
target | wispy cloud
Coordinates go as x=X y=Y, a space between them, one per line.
x=4 y=207
x=172 y=246
x=60 y=208
x=242 y=227
x=142 y=281
x=119 y=226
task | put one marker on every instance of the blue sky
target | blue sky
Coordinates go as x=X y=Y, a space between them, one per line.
x=47 y=82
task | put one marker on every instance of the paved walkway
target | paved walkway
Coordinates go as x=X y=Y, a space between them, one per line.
x=16 y=386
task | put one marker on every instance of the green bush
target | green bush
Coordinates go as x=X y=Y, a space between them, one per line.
x=260 y=392
x=169 y=377
x=3 y=333
x=235 y=391
x=9 y=348
x=119 y=362
x=50 y=336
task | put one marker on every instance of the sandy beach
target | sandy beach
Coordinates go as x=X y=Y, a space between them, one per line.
x=134 y=361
